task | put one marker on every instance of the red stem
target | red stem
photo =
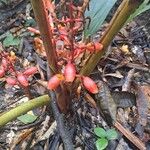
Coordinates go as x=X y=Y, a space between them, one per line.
x=41 y=14
x=71 y=32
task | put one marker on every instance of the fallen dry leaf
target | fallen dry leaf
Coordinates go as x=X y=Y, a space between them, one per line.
x=143 y=96
x=125 y=49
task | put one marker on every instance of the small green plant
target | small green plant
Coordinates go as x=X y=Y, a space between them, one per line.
x=142 y=8
x=104 y=137
x=10 y=40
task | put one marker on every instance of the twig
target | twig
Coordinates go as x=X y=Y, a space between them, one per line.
x=23 y=108
x=65 y=136
x=137 y=142
x=130 y=65
x=127 y=83
x=90 y=99
x=27 y=92
x=138 y=67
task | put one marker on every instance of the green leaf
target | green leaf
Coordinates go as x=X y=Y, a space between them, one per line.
x=27 y=118
x=100 y=132
x=101 y=143
x=111 y=134
x=97 y=13
x=10 y=40
x=142 y=8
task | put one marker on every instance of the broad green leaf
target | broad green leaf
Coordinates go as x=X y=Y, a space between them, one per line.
x=142 y=8
x=101 y=143
x=98 y=12
x=100 y=132
x=27 y=118
x=10 y=40
x=111 y=134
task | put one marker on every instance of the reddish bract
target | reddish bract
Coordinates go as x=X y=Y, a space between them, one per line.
x=11 y=81
x=95 y=46
x=22 y=80
x=70 y=72
x=54 y=81
x=90 y=85
x=30 y=71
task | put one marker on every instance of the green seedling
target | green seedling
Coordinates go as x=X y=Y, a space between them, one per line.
x=104 y=136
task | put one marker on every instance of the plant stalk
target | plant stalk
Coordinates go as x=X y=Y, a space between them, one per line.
x=62 y=128
x=126 y=8
x=41 y=15
x=23 y=108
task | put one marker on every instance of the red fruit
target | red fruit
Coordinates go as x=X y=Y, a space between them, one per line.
x=70 y=72
x=11 y=81
x=95 y=46
x=54 y=81
x=90 y=85
x=22 y=80
x=30 y=71
x=2 y=72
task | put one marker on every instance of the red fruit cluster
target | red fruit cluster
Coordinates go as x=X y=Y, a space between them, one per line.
x=64 y=31
x=21 y=78
x=69 y=76
x=14 y=77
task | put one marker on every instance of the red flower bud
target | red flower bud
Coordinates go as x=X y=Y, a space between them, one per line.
x=30 y=71
x=54 y=81
x=22 y=80
x=95 y=46
x=70 y=72
x=2 y=72
x=11 y=81
x=90 y=85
